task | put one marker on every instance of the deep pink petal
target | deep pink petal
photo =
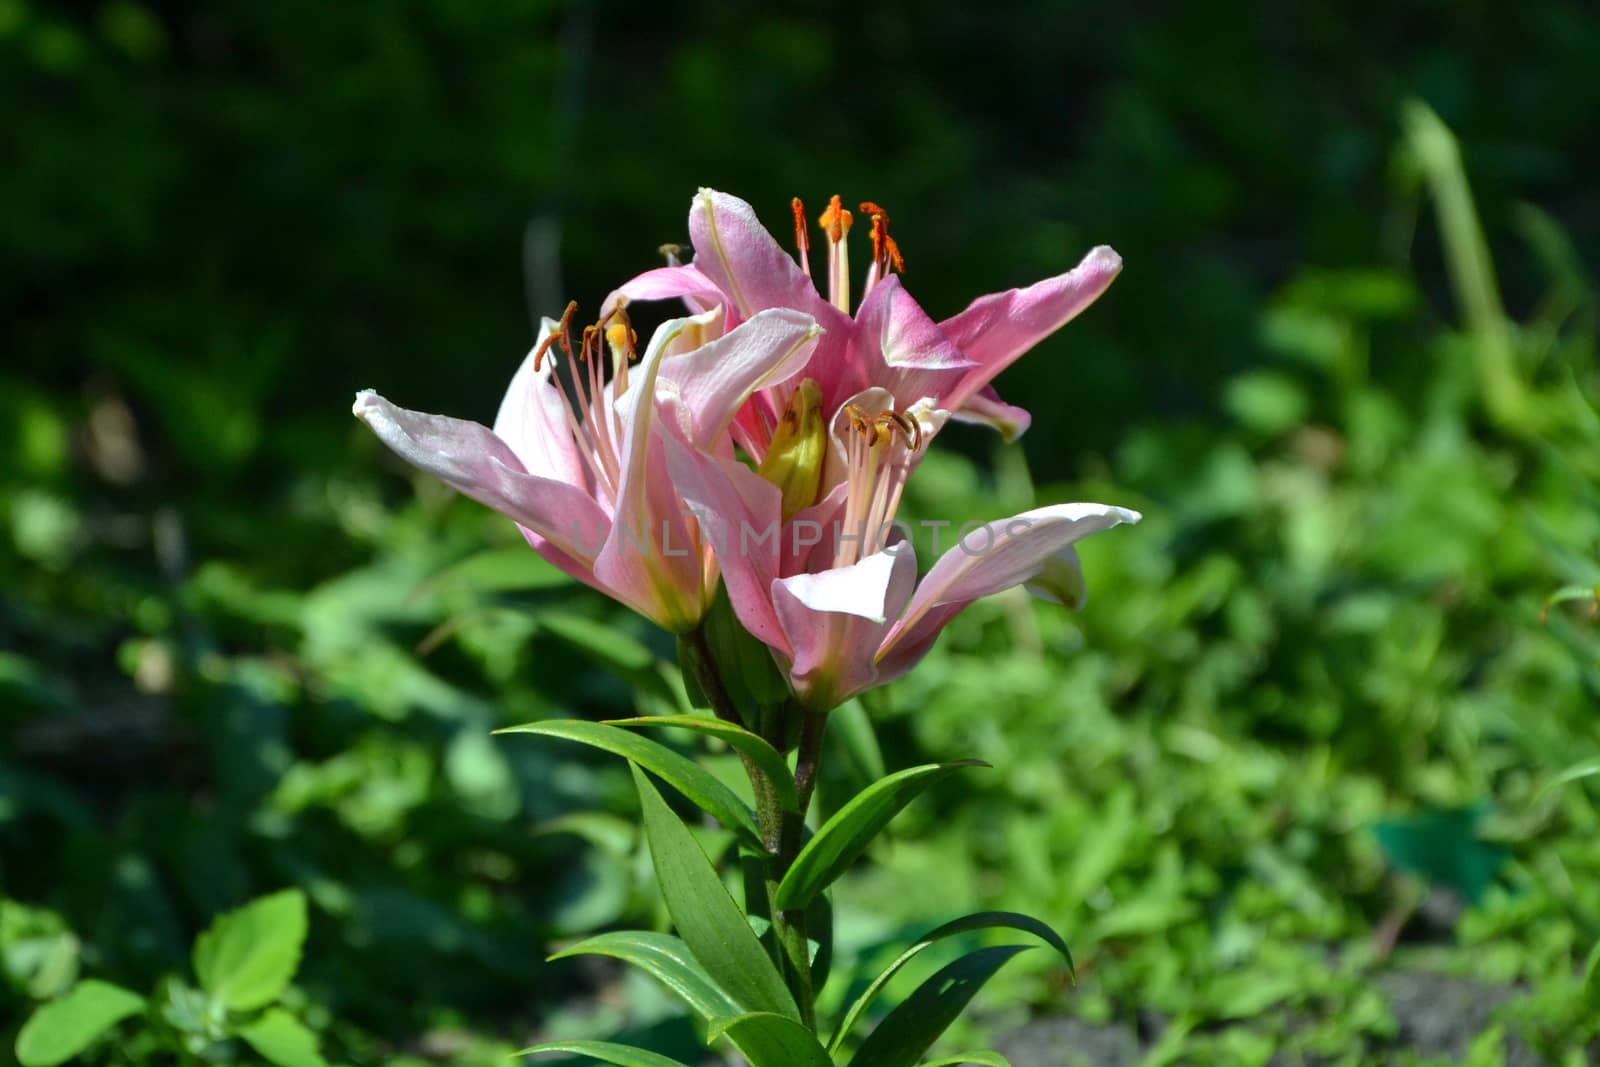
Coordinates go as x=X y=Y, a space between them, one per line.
x=696 y=290
x=994 y=330
x=996 y=556
x=985 y=408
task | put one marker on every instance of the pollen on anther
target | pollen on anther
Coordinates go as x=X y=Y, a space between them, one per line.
x=835 y=220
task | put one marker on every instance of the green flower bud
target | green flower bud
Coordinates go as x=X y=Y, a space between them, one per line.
x=794 y=461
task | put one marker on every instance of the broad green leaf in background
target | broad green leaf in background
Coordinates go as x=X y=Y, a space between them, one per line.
x=283 y=1039
x=1443 y=847
x=665 y=958
x=769 y=1040
x=766 y=758
x=980 y=921
x=707 y=793
x=62 y=1028
x=710 y=923
x=852 y=828
x=605 y=1052
x=916 y=1023
x=247 y=957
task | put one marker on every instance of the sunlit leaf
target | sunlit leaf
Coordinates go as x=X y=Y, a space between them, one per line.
x=248 y=955
x=665 y=958
x=62 y=1028
x=852 y=828
x=908 y=1031
x=766 y=758
x=705 y=915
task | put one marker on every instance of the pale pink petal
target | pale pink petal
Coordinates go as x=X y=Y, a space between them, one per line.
x=996 y=556
x=533 y=420
x=715 y=379
x=739 y=519
x=651 y=555
x=894 y=324
x=471 y=459
x=994 y=330
x=834 y=621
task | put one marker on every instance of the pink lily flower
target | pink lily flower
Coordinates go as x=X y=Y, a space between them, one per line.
x=835 y=593
x=585 y=475
x=890 y=341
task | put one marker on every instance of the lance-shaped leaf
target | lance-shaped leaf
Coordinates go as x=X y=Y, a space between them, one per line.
x=708 y=794
x=908 y=1031
x=769 y=1040
x=985 y=1058
x=666 y=959
x=708 y=920
x=846 y=835
x=766 y=758
x=982 y=920
x=605 y=1052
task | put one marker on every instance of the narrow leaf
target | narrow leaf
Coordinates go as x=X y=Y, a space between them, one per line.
x=908 y=1031
x=766 y=758
x=705 y=914
x=708 y=794
x=67 y=1025
x=247 y=956
x=605 y=1052
x=846 y=835
x=666 y=959
x=284 y=1040
x=769 y=1040
x=982 y=920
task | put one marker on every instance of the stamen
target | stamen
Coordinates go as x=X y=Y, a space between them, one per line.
x=885 y=252
x=802 y=235
x=560 y=335
x=835 y=222
x=670 y=252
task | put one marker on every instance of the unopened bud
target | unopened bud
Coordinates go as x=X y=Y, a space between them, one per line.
x=799 y=446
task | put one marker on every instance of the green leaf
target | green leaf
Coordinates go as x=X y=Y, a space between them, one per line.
x=983 y=920
x=606 y=644
x=908 y=1031
x=766 y=758
x=982 y=1059
x=284 y=1040
x=1442 y=846
x=708 y=794
x=769 y=1040
x=710 y=923
x=605 y=1052
x=846 y=835
x=64 y=1027
x=852 y=731
x=1587 y=769
x=247 y=957
x=666 y=959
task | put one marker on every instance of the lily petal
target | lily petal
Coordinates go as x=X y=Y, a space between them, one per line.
x=468 y=457
x=533 y=420
x=739 y=518
x=996 y=556
x=985 y=408
x=995 y=329
x=696 y=290
x=653 y=554
x=735 y=251
x=835 y=619
x=716 y=379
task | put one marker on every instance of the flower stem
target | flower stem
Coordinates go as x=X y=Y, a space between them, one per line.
x=781 y=831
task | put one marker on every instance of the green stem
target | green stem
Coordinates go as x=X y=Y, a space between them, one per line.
x=781 y=831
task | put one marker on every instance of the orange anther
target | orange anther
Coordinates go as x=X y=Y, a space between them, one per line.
x=802 y=239
x=835 y=221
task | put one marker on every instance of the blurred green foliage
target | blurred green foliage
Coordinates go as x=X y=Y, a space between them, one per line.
x=1305 y=735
